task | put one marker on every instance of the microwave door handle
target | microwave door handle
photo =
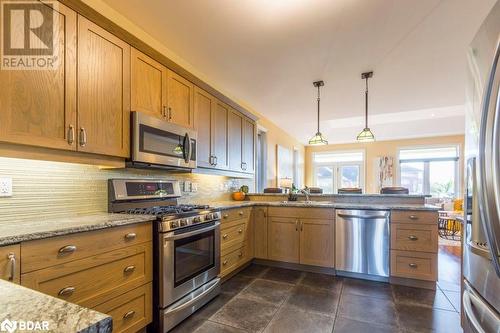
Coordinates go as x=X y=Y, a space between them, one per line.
x=187 y=148
x=488 y=163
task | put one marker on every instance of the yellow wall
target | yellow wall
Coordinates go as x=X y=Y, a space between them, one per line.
x=382 y=148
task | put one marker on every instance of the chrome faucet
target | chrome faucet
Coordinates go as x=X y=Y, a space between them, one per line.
x=306 y=192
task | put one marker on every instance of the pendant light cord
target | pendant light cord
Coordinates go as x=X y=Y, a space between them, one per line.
x=366 y=103
x=318 y=107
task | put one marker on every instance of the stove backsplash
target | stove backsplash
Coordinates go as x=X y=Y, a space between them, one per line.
x=55 y=189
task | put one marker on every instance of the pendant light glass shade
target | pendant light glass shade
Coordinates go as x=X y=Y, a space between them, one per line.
x=318 y=138
x=366 y=134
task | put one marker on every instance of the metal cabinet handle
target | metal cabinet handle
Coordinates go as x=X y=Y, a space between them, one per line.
x=301 y=225
x=71 y=135
x=129 y=314
x=240 y=213
x=83 y=137
x=243 y=165
x=240 y=231
x=224 y=263
x=413 y=217
x=130 y=236
x=215 y=161
x=68 y=291
x=169 y=113
x=225 y=216
x=129 y=269
x=265 y=214
x=67 y=249
x=12 y=258
x=240 y=254
x=296 y=225
x=224 y=236
x=164 y=112
x=413 y=265
x=412 y=238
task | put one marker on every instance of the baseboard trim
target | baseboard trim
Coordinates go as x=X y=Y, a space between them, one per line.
x=297 y=267
x=413 y=283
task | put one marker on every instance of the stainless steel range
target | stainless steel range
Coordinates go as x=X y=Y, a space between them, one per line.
x=186 y=246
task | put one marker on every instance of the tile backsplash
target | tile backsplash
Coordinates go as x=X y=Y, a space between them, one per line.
x=55 y=189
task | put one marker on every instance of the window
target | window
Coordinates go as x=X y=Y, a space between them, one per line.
x=298 y=168
x=431 y=171
x=261 y=175
x=335 y=170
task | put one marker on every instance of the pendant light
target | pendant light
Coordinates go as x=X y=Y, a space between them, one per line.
x=318 y=138
x=366 y=134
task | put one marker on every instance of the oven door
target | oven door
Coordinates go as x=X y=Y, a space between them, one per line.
x=162 y=144
x=189 y=258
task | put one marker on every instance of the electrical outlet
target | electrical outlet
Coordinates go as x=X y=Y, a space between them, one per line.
x=6 y=187
x=194 y=187
x=187 y=186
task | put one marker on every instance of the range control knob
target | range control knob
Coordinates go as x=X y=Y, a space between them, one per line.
x=215 y=216
x=197 y=219
x=174 y=224
x=183 y=222
x=208 y=217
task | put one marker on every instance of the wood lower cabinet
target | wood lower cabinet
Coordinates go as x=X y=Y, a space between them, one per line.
x=259 y=221
x=301 y=235
x=180 y=108
x=10 y=263
x=38 y=107
x=148 y=85
x=236 y=239
x=103 y=91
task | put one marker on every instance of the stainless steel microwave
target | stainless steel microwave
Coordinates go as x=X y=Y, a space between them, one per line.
x=159 y=144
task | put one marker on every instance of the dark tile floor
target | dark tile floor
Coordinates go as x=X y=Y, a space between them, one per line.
x=264 y=299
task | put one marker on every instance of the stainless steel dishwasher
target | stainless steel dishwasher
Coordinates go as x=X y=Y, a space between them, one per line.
x=362 y=243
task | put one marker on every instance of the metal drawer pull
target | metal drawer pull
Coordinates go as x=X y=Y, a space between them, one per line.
x=412 y=238
x=130 y=236
x=224 y=236
x=413 y=217
x=129 y=269
x=68 y=291
x=12 y=258
x=225 y=216
x=240 y=254
x=240 y=231
x=241 y=213
x=67 y=249
x=224 y=263
x=129 y=314
x=412 y=265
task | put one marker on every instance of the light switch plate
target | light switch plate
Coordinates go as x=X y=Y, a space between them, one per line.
x=6 y=187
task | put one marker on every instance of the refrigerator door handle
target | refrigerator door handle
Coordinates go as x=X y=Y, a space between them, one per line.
x=489 y=162
x=489 y=319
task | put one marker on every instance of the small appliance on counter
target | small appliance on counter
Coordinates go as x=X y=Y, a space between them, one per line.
x=186 y=248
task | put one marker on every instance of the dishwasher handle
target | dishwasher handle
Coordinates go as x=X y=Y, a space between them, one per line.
x=364 y=215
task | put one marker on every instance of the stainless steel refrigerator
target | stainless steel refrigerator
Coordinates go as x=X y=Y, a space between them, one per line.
x=481 y=261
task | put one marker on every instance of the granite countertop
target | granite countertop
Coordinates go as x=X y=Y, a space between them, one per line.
x=321 y=204
x=25 y=230
x=364 y=195
x=22 y=304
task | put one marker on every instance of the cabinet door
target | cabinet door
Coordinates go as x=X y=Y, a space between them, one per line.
x=180 y=100
x=283 y=239
x=219 y=132
x=316 y=242
x=260 y=232
x=148 y=86
x=38 y=107
x=10 y=257
x=103 y=91
x=234 y=140
x=204 y=105
x=248 y=154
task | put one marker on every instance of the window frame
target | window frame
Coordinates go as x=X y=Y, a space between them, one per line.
x=426 y=161
x=337 y=165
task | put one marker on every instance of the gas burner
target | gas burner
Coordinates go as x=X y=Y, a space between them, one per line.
x=160 y=211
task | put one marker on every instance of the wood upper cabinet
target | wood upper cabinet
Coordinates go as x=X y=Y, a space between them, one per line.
x=220 y=135
x=103 y=91
x=317 y=242
x=10 y=263
x=284 y=239
x=180 y=108
x=235 y=122
x=248 y=144
x=148 y=85
x=38 y=107
x=204 y=105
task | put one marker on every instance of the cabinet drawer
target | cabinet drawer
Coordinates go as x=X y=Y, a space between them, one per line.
x=414 y=265
x=96 y=279
x=312 y=213
x=235 y=214
x=411 y=216
x=232 y=260
x=414 y=237
x=130 y=311
x=10 y=262
x=58 y=250
x=233 y=235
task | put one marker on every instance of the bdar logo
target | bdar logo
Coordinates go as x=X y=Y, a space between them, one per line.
x=8 y=326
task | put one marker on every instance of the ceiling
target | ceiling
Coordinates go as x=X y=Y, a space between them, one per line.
x=267 y=53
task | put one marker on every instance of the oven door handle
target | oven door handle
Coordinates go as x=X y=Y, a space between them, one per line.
x=210 y=287
x=172 y=236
